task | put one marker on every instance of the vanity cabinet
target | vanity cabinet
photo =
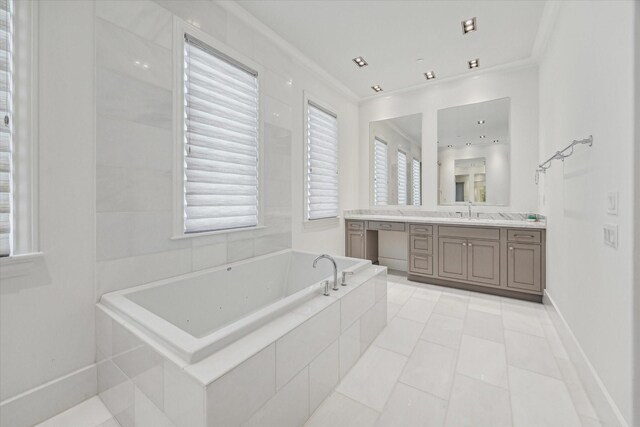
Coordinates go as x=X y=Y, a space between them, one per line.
x=469 y=260
x=355 y=244
x=524 y=263
x=499 y=260
x=361 y=242
x=452 y=256
x=421 y=249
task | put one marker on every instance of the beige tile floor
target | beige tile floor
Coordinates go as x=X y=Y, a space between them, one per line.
x=446 y=358
x=456 y=358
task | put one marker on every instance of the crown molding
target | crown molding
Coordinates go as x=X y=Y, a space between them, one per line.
x=545 y=29
x=297 y=55
x=402 y=133
x=511 y=66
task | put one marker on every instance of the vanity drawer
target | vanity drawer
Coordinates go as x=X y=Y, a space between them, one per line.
x=420 y=229
x=355 y=225
x=384 y=225
x=526 y=236
x=421 y=264
x=421 y=244
x=470 y=232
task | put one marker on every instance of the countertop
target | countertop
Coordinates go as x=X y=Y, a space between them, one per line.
x=486 y=222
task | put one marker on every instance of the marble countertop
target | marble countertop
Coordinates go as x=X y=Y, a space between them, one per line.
x=407 y=217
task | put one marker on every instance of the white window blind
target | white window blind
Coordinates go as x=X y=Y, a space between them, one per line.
x=322 y=163
x=415 y=185
x=380 y=173
x=402 y=178
x=221 y=140
x=6 y=110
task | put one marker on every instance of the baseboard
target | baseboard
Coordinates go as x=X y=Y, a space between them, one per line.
x=601 y=400
x=393 y=263
x=49 y=399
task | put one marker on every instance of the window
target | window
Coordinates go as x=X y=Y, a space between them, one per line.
x=322 y=163
x=221 y=134
x=381 y=187
x=415 y=173
x=402 y=178
x=6 y=133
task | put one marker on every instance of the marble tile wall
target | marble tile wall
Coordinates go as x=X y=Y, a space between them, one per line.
x=134 y=145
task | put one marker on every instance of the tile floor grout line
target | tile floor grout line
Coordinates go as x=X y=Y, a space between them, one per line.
x=455 y=368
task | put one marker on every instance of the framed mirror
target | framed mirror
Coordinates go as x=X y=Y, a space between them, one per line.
x=474 y=154
x=396 y=161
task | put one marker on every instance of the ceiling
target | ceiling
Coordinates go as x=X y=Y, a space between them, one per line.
x=458 y=126
x=393 y=35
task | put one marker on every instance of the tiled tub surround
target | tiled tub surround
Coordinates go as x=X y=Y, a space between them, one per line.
x=277 y=374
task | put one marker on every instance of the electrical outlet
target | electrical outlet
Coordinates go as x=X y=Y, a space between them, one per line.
x=611 y=235
x=612 y=203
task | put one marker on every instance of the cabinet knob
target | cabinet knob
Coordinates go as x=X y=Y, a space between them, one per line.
x=464 y=244
x=510 y=248
x=470 y=244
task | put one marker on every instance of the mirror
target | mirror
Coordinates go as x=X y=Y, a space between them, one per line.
x=396 y=161
x=473 y=154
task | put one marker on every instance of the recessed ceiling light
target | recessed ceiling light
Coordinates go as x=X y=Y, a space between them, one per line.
x=482 y=136
x=468 y=143
x=377 y=88
x=450 y=146
x=480 y=122
x=474 y=63
x=430 y=75
x=469 y=25
x=360 y=62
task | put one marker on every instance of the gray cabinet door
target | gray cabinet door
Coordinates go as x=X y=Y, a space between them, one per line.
x=421 y=264
x=452 y=258
x=355 y=244
x=524 y=267
x=483 y=262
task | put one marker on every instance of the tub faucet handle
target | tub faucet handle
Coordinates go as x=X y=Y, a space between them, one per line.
x=344 y=277
x=325 y=286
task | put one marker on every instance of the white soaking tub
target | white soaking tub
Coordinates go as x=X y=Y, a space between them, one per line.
x=233 y=345
x=195 y=315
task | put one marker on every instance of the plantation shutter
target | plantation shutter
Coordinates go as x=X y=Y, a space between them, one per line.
x=6 y=110
x=415 y=185
x=322 y=163
x=221 y=140
x=381 y=188
x=402 y=178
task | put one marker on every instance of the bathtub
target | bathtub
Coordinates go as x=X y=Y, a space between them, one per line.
x=233 y=345
x=195 y=315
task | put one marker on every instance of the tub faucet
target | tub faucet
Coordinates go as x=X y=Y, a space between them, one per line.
x=335 y=273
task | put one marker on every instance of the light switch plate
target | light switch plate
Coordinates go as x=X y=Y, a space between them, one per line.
x=612 y=203
x=611 y=235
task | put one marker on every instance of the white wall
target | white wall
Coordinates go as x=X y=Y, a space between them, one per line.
x=106 y=175
x=46 y=323
x=636 y=185
x=586 y=81
x=135 y=146
x=518 y=84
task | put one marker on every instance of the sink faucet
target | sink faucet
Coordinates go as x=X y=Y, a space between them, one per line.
x=469 y=206
x=335 y=273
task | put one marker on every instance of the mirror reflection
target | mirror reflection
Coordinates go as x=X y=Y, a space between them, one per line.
x=396 y=161
x=473 y=154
